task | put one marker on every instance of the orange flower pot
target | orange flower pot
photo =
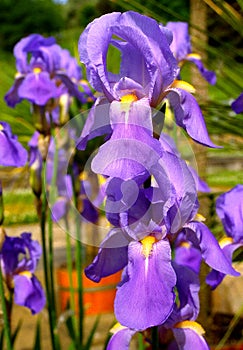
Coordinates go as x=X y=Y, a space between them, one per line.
x=98 y=298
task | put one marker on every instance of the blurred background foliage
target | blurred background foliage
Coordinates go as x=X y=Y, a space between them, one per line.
x=221 y=48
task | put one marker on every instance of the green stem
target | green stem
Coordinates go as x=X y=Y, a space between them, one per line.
x=230 y=329
x=53 y=334
x=79 y=265
x=7 y=330
x=70 y=269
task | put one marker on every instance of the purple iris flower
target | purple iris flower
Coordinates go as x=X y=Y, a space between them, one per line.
x=12 y=153
x=19 y=258
x=237 y=105
x=148 y=70
x=49 y=73
x=181 y=48
x=229 y=207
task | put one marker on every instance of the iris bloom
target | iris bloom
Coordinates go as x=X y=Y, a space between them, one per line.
x=229 y=207
x=142 y=246
x=12 y=153
x=19 y=258
x=147 y=77
x=49 y=73
x=181 y=48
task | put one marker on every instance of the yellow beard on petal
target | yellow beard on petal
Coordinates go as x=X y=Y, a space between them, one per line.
x=196 y=327
x=37 y=70
x=225 y=241
x=27 y=274
x=147 y=245
x=129 y=98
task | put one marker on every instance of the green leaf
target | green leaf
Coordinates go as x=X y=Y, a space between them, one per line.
x=91 y=334
x=15 y=333
x=37 y=343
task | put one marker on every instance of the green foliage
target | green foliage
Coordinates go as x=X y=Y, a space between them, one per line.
x=19 y=18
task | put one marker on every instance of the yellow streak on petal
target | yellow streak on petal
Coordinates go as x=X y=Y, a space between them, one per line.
x=27 y=274
x=180 y=84
x=116 y=328
x=199 y=217
x=185 y=244
x=147 y=243
x=196 y=327
x=194 y=55
x=1 y=127
x=129 y=98
x=37 y=70
x=225 y=241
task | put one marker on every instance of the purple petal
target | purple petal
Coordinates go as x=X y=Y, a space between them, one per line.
x=188 y=286
x=188 y=256
x=209 y=75
x=59 y=209
x=189 y=116
x=237 y=105
x=214 y=278
x=97 y=123
x=176 y=182
x=145 y=297
x=229 y=207
x=12 y=96
x=189 y=338
x=180 y=45
x=28 y=292
x=203 y=239
x=121 y=339
x=38 y=88
x=12 y=153
x=131 y=149
x=112 y=256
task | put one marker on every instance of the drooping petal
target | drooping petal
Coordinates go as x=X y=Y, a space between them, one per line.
x=12 y=96
x=189 y=116
x=208 y=75
x=121 y=338
x=38 y=88
x=188 y=336
x=203 y=239
x=214 y=278
x=145 y=297
x=28 y=292
x=12 y=153
x=112 y=256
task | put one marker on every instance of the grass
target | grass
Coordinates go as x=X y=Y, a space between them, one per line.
x=19 y=207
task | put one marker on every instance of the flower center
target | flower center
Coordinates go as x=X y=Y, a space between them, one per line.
x=147 y=244
x=129 y=98
x=37 y=70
